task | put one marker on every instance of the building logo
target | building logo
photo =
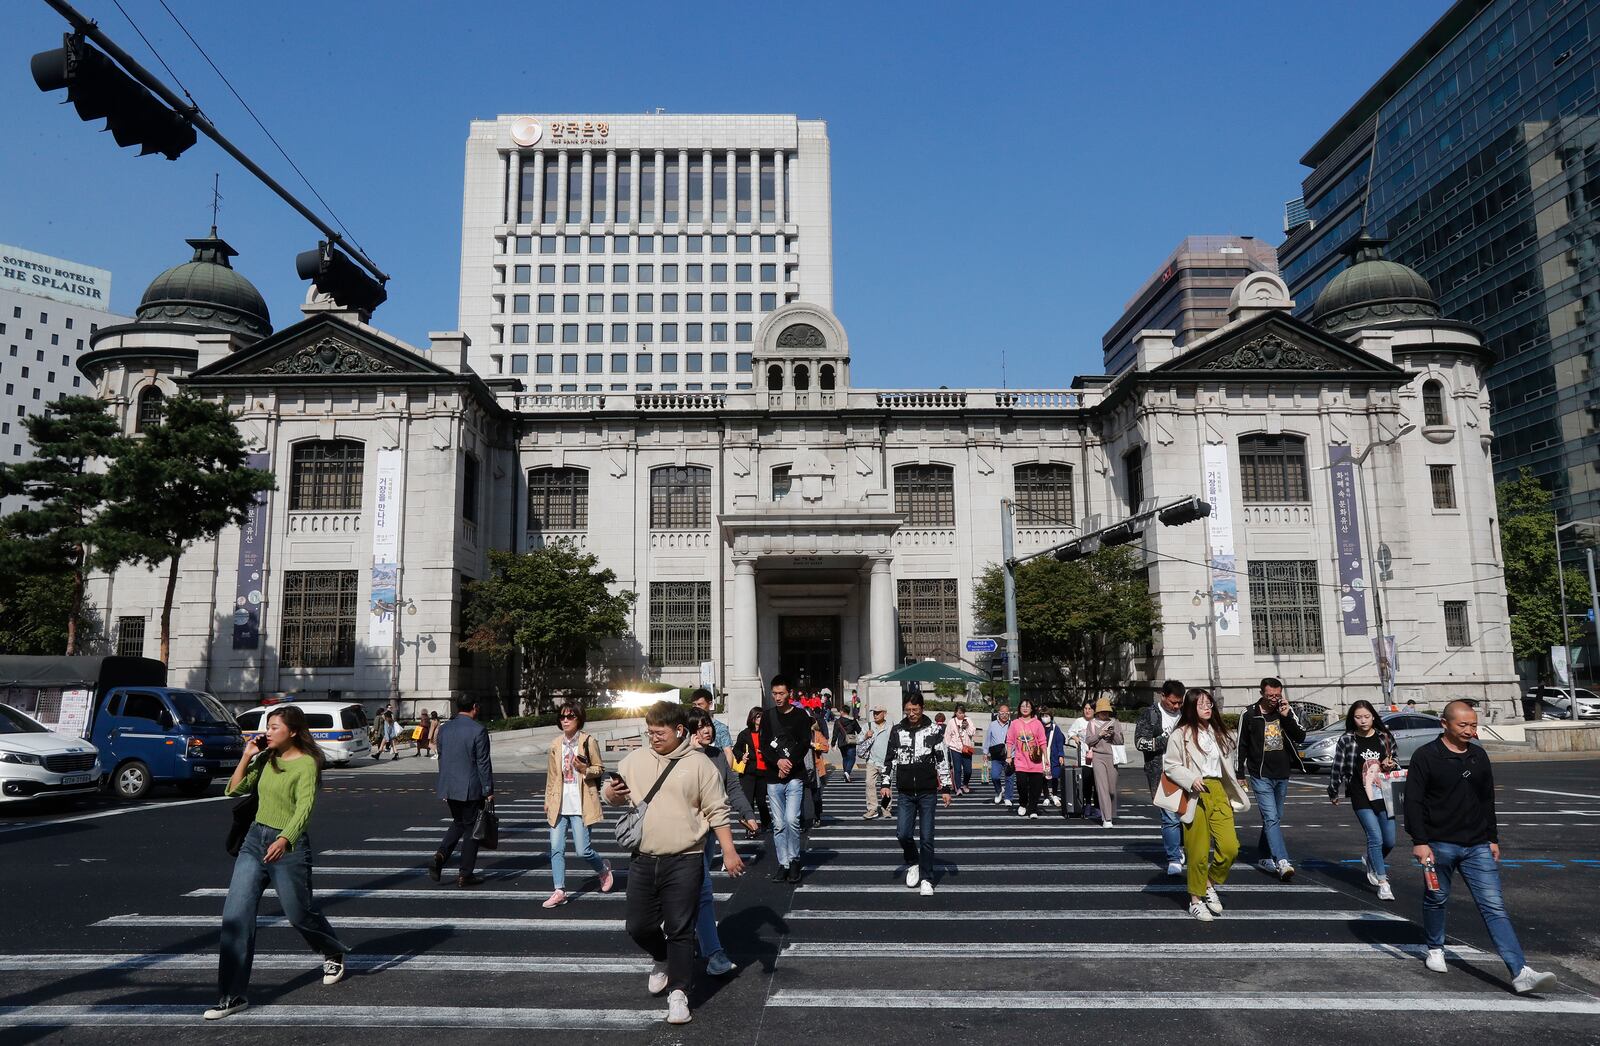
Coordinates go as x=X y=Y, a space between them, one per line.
x=525 y=131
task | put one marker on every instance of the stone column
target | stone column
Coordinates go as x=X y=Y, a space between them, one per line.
x=611 y=188
x=882 y=600
x=683 y=187
x=778 y=160
x=565 y=159
x=633 y=188
x=744 y=619
x=513 y=187
x=536 y=211
x=586 y=191
x=706 y=161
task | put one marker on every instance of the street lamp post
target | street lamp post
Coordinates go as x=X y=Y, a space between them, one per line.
x=1566 y=634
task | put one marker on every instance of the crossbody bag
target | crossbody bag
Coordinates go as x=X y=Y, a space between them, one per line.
x=629 y=829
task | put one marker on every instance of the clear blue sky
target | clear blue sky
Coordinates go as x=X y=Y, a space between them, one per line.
x=1004 y=175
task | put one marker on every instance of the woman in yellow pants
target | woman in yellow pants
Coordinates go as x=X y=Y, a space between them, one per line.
x=1199 y=759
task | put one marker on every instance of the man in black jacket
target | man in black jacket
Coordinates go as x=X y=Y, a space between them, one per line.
x=1155 y=725
x=920 y=769
x=466 y=783
x=787 y=742
x=1450 y=815
x=1269 y=733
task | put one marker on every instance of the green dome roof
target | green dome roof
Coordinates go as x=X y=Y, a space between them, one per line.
x=1372 y=292
x=206 y=292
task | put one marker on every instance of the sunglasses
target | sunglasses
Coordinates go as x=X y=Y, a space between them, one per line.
x=566 y=715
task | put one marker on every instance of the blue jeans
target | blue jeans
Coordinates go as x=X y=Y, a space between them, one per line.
x=1482 y=874
x=1001 y=774
x=1171 y=826
x=291 y=881
x=919 y=808
x=580 y=843
x=1271 y=794
x=960 y=769
x=1379 y=827
x=705 y=927
x=848 y=754
x=786 y=799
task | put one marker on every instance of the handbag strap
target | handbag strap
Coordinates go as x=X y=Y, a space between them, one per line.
x=657 y=786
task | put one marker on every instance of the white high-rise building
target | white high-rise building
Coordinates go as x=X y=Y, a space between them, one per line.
x=618 y=253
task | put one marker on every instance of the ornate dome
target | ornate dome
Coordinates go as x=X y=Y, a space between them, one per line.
x=1372 y=292
x=206 y=292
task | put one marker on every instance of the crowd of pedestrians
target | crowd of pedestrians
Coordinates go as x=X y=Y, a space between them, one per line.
x=692 y=781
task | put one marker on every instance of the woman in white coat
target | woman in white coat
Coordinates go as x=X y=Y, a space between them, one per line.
x=1199 y=759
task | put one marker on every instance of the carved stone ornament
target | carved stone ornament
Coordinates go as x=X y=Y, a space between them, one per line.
x=801 y=336
x=1270 y=352
x=330 y=356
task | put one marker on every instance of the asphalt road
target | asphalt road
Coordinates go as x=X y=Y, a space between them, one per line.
x=1040 y=931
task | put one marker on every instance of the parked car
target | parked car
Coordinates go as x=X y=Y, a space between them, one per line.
x=36 y=763
x=1411 y=731
x=146 y=732
x=340 y=727
x=1556 y=703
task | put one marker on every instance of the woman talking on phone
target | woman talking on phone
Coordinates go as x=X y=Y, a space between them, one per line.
x=283 y=768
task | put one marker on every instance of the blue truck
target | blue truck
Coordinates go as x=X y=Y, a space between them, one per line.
x=147 y=733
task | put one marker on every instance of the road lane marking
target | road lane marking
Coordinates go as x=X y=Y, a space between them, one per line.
x=938 y=835
x=118 y=812
x=379 y=922
x=1068 y=888
x=437 y=894
x=1274 y=914
x=1274 y=950
x=298 y=1015
x=1569 y=795
x=899 y=869
x=1489 y=1002
x=411 y=961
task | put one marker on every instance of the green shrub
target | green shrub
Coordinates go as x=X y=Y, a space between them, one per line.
x=528 y=722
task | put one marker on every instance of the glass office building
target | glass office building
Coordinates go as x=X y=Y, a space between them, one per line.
x=1475 y=155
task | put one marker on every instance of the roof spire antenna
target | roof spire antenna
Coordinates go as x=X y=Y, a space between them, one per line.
x=216 y=201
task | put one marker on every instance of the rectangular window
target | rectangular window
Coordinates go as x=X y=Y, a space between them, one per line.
x=524 y=244
x=594 y=363
x=520 y=303
x=694 y=272
x=619 y=303
x=647 y=188
x=619 y=273
x=719 y=302
x=519 y=364
x=619 y=333
x=1442 y=480
x=595 y=303
x=574 y=187
x=318 y=628
x=930 y=618
x=1455 y=624
x=646 y=274
x=769 y=302
x=544 y=363
x=719 y=272
x=719 y=361
x=552 y=191
x=719 y=188
x=669 y=303
x=693 y=332
x=741 y=189
x=743 y=333
x=769 y=272
x=130 y=637
x=925 y=495
x=1285 y=607
x=469 y=489
x=594 y=334
x=719 y=332
x=569 y=303
x=692 y=362
x=572 y=244
x=547 y=273
x=697 y=183
x=569 y=334
x=624 y=189
x=693 y=302
x=669 y=363
x=680 y=622
x=643 y=363
x=719 y=244
x=1272 y=470
x=644 y=332
x=597 y=273
x=647 y=244
x=741 y=273
x=769 y=198
x=680 y=498
x=669 y=274
x=619 y=361
x=741 y=303
x=669 y=332
x=326 y=475
x=619 y=245
x=569 y=362
x=597 y=191
x=547 y=334
x=669 y=189
x=1044 y=495
x=547 y=303
x=569 y=273
x=1133 y=471
x=547 y=244
x=558 y=499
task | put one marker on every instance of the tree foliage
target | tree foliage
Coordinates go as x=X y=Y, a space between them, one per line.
x=548 y=607
x=35 y=609
x=1076 y=620
x=1533 y=590
x=63 y=532
x=182 y=481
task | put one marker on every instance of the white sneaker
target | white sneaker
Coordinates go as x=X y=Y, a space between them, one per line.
x=1384 y=893
x=1022 y=812
x=913 y=876
x=227 y=1009
x=1366 y=866
x=1285 y=871
x=1174 y=867
x=1268 y=866
x=332 y=971
x=1435 y=960
x=1107 y=824
x=719 y=964
x=1531 y=981
x=925 y=888
x=1213 y=901
x=658 y=978
x=678 y=1009
x=999 y=799
x=1033 y=817
x=1199 y=911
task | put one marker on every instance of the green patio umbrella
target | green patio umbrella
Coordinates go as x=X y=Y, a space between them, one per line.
x=930 y=672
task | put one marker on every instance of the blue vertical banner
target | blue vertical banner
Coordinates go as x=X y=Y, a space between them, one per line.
x=1347 y=542
x=252 y=559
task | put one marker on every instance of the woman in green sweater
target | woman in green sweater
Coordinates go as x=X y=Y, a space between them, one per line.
x=283 y=768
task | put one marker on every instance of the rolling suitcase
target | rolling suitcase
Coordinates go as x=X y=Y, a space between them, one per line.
x=1071 y=792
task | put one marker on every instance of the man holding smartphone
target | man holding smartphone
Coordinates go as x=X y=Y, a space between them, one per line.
x=1269 y=738
x=1150 y=736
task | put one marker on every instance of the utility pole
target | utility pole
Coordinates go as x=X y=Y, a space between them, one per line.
x=1566 y=634
x=1009 y=572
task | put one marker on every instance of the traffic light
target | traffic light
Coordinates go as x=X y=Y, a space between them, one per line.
x=997 y=665
x=340 y=278
x=1071 y=553
x=1122 y=534
x=1186 y=511
x=99 y=90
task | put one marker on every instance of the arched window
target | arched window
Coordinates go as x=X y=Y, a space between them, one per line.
x=802 y=378
x=151 y=404
x=825 y=377
x=1044 y=495
x=774 y=377
x=1272 y=469
x=558 y=499
x=680 y=498
x=782 y=483
x=1433 y=403
x=926 y=495
x=325 y=475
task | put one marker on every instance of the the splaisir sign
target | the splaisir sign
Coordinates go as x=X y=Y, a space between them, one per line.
x=56 y=278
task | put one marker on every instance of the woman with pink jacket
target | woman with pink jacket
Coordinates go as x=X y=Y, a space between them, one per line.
x=1025 y=750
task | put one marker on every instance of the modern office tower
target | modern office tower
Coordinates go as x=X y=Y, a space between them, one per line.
x=1188 y=294
x=48 y=309
x=1475 y=156
x=612 y=253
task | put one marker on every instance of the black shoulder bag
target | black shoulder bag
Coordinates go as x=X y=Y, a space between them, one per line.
x=244 y=815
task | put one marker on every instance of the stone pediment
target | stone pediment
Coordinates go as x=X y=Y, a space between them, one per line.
x=323 y=348
x=1276 y=346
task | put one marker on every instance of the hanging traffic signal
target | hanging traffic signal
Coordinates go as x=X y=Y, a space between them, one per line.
x=1071 y=553
x=1123 y=533
x=99 y=90
x=1186 y=511
x=335 y=275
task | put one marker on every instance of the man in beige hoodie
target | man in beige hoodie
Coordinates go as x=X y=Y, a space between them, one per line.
x=664 y=875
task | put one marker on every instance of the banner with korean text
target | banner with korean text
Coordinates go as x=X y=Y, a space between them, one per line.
x=386 y=510
x=1219 y=538
x=247 y=585
x=1347 y=542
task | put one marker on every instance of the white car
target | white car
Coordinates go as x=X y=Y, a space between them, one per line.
x=1558 y=704
x=340 y=727
x=36 y=763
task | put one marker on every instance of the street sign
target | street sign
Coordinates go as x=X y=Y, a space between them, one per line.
x=982 y=646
